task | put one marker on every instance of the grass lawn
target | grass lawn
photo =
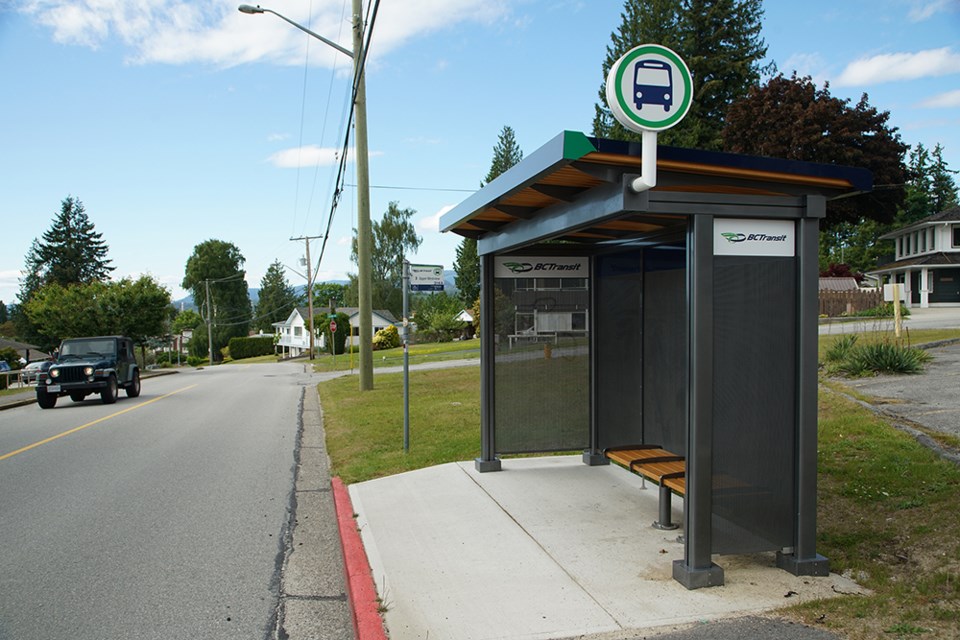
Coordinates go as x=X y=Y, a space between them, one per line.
x=888 y=508
x=419 y=353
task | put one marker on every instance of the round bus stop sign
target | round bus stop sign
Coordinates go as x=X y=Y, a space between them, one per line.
x=649 y=88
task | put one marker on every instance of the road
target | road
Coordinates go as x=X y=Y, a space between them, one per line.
x=931 y=318
x=158 y=517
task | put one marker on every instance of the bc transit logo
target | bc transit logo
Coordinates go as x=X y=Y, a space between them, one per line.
x=518 y=267
x=734 y=237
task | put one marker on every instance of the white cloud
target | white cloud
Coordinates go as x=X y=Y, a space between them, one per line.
x=432 y=223
x=344 y=241
x=890 y=67
x=926 y=9
x=308 y=156
x=182 y=31
x=943 y=101
x=807 y=64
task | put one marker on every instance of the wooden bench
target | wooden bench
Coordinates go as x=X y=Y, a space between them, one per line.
x=659 y=465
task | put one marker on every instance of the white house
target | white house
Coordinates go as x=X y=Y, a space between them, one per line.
x=927 y=260
x=294 y=333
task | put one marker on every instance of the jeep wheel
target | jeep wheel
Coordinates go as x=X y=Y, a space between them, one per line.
x=109 y=393
x=133 y=389
x=46 y=400
x=77 y=396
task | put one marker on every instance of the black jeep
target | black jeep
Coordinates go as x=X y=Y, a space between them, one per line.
x=90 y=365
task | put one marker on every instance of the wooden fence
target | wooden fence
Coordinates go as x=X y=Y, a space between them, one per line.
x=839 y=303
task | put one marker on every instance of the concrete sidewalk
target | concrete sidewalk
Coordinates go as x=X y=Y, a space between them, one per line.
x=546 y=548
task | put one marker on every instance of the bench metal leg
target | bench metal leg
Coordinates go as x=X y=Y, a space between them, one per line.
x=664 y=521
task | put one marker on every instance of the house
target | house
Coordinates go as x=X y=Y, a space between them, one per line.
x=927 y=260
x=381 y=320
x=293 y=334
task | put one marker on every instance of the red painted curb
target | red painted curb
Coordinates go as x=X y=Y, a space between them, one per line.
x=361 y=589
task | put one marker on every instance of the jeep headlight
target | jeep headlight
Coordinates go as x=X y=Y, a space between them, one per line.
x=88 y=371
x=54 y=373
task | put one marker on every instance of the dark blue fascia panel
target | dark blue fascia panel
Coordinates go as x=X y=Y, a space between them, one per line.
x=861 y=179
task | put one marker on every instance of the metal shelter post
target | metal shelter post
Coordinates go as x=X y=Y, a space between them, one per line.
x=697 y=570
x=593 y=456
x=804 y=560
x=488 y=353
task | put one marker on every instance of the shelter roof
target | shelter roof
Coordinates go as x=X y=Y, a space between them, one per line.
x=572 y=164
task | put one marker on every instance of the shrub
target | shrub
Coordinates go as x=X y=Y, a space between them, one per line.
x=196 y=361
x=240 y=348
x=840 y=349
x=884 y=310
x=386 y=338
x=883 y=357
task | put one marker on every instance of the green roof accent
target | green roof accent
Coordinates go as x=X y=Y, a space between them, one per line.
x=576 y=145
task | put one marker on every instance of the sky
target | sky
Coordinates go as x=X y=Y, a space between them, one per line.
x=177 y=122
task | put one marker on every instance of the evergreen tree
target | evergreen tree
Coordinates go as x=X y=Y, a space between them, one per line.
x=277 y=298
x=217 y=264
x=942 y=184
x=918 y=191
x=467 y=272
x=721 y=44
x=506 y=154
x=72 y=251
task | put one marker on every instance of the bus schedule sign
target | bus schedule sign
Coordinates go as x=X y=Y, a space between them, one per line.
x=649 y=88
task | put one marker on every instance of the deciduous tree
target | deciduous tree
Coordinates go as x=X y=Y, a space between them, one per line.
x=791 y=118
x=394 y=239
x=218 y=264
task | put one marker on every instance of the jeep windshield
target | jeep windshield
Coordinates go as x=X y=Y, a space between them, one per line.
x=86 y=348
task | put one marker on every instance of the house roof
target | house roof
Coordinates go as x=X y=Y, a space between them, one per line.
x=572 y=164
x=947 y=215
x=844 y=283
x=23 y=349
x=938 y=259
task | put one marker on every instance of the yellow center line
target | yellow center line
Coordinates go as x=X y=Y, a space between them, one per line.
x=90 y=424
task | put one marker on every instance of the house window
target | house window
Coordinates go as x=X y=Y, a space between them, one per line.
x=297 y=331
x=956 y=236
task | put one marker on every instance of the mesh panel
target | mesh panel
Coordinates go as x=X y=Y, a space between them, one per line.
x=541 y=371
x=754 y=403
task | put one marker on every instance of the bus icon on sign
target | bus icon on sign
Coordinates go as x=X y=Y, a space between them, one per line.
x=653 y=84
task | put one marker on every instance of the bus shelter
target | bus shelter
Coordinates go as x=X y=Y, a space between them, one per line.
x=684 y=316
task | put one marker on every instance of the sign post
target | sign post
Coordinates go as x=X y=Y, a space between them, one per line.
x=416 y=277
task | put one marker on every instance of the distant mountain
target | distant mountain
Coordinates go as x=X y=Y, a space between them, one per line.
x=186 y=303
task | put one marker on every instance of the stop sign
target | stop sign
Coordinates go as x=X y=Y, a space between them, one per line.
x=333 y=326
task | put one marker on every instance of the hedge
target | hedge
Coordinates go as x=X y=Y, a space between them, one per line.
x=250 y=347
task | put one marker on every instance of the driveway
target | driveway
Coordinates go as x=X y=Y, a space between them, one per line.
x=929 y=399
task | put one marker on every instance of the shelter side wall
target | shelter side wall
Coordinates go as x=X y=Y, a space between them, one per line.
x=754 y=403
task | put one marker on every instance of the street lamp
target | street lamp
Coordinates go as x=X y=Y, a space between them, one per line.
x=364 y=234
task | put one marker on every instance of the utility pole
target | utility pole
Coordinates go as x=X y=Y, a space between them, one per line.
x=209 y=323
x=364 y=233
x=307 y=239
